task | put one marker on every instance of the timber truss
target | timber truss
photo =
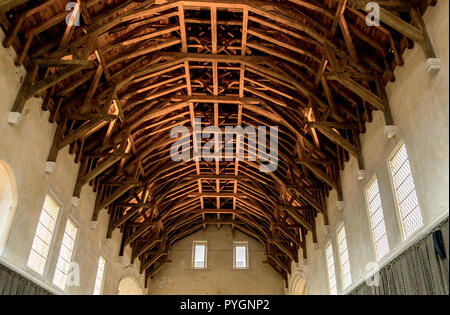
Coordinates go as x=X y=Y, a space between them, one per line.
x=117 y=83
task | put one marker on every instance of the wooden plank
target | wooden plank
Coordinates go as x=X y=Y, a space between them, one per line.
x=297 y=217
x=117 y=194
x=52 y=80
x=358 y=90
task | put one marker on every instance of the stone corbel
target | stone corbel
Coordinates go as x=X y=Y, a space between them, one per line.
x=14 y=118
x=75 y=201
x=94 y=225
x=390 y=131
x=361 y=174
x=433 y=65
x=49 y=166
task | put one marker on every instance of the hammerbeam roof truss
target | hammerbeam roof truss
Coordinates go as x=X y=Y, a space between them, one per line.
x=117 y=83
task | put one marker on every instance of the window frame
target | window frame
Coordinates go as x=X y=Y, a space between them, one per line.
x=77 y=226
x=236 y=244
x=371 y=181
x=51 y=245
x=330 y=244
x=341 y=226
x=100 y=292
x=205 y=265
x=394 y=192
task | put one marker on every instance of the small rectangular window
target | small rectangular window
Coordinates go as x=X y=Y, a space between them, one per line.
x=331 y=271
x=65 y=255
x=199 y=255
x=376 y=219
x=99 y=277
x=240 y=255
x=344 y=258
x=405 y=193
x=43 y=236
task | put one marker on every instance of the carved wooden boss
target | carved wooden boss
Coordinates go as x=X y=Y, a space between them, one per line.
x=117 y=75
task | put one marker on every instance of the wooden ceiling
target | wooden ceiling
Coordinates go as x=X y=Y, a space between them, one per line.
x=117 y=83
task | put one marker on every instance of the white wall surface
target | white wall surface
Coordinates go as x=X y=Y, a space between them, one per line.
x=25 y=147
x=420 y=105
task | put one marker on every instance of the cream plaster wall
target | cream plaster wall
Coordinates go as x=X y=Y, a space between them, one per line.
x=420 y=106
x=25 y=147
x=178 y=277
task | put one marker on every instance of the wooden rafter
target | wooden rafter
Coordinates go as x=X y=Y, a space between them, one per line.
x=117 y=85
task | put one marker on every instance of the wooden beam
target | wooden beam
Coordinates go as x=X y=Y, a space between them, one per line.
x=110 y=199
x=297 y=217
x=358 y=89
x=215 y=194
x=84 y=179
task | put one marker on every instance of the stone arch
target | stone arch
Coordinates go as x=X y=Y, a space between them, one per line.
x=128 y=285
x=8 y=202
x=298 y=284
x=299 y=287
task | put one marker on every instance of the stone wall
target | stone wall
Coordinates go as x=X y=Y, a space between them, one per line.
x=178 y=277
x=420 y=105
x=24 y=148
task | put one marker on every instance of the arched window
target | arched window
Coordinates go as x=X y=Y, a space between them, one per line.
x=8 y=203
x=298 y=284
x=129 y=286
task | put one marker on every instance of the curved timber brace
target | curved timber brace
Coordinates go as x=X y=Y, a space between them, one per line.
x=134 y=70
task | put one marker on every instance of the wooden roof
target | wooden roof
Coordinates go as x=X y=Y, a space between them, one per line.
x=117 y=83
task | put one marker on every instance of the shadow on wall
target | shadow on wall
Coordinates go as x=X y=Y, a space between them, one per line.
x=8 y=203
x=129 y=286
